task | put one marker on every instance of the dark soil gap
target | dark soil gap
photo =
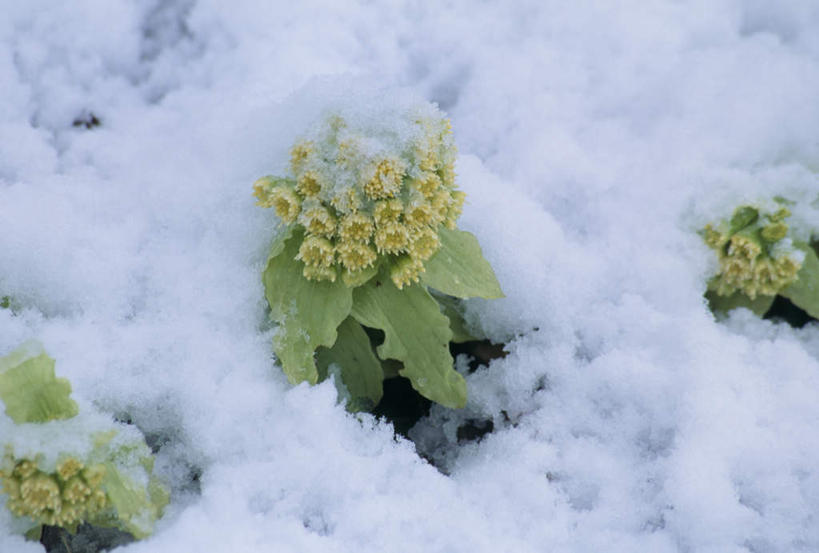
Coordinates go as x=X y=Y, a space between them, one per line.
x=402 y=406
x=783 y=309
x=88 y=539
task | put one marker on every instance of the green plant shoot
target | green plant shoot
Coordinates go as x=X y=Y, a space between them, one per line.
x=61 y=466
x=758 y=260
x=369 y=209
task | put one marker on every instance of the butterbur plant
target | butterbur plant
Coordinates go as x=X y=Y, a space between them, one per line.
x=758 y=260
x=369 y=209
x=62 y=466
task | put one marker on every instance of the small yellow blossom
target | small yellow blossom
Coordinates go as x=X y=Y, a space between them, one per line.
x=427 y=184
x=94 y=475
x=420 y=215
x=316 y=251
x=346 y=201
x=76 y=491
x=319 y=220
x=41 y=493
x=356 y=255
x=300 y=154
x=286 y=203
x=405 y=271
x=261 y=189
x=308 y=185
x=392 y=238
x=25 y=468
x=424 y=244
x=427 y=156
x=357 y=227
x=68 y=468
x=744 y=247
x=386 y=180
x=387 y=211
x=447 y=173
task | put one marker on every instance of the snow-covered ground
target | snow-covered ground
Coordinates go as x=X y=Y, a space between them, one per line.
x=595 y=138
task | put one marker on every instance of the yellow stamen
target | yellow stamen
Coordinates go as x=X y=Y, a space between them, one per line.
x=300 y=155
x=355 y=255
x=356 y=227
x=316 y=251
x=405 y=271
x=386 y=180
x=392 y=238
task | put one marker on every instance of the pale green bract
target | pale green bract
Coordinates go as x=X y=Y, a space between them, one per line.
x=369 y=215
x=61 y=465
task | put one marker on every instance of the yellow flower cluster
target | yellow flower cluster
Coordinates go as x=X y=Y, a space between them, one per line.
x=66 y=497
x=362 y=202
x=748 y=257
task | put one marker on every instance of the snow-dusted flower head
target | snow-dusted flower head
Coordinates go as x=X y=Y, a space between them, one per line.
x=68 y=495
x=369 y=190
x=755 y=255
x=60 y=465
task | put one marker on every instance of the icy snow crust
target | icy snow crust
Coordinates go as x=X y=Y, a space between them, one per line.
x=594 y=141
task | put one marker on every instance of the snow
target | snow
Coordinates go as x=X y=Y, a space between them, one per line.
x=594 y=139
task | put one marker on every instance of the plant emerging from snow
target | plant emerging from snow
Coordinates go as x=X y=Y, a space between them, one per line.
x=759 y=260
x=61 y=466
x=370 y=208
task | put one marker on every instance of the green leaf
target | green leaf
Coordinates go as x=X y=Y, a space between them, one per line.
x=135 y=497
x=451 y=308
x=137 y=506
x=360 y=369
x=743 y=216
x=308 y=312
x=724 y=304
x=30 y=389
x=804 y=291
x=279 y=241
x=359 y=277
x=459 y=268
x=416 y=333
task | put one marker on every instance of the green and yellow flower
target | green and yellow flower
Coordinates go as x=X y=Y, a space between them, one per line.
x=369 y=211
x=754 y=256
x=99 y=471
x=391 y=201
